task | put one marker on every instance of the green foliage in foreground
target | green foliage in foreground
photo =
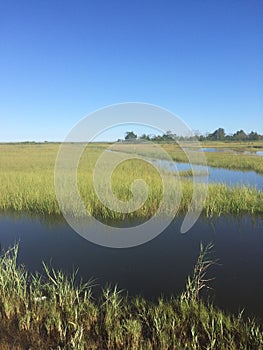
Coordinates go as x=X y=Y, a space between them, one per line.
x=55 y=312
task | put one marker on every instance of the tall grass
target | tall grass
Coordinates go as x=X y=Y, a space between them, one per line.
x=52 y=311
x=234 y=161
x=27 y=185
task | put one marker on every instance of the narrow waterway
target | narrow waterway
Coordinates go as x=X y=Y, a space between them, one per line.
x=160 y=266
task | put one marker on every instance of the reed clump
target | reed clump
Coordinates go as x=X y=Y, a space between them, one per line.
x=53 y=311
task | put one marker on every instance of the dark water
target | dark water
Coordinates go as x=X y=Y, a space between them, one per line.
x=160 y=266
x=217 y=175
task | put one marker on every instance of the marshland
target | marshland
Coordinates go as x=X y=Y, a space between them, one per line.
x=142 y=230
x=59 y=291
x=27 y=181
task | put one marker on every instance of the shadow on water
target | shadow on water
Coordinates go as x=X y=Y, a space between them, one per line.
x=160 y=266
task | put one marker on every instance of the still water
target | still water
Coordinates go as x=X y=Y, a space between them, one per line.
x=160 y=266
x=216 y=175
x=213 y=150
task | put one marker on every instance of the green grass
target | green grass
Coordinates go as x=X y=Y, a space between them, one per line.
x=27 y=185
x=233 y=161
x=252 y=146
x=230 y=158
x=224 y=159
x=53 y=311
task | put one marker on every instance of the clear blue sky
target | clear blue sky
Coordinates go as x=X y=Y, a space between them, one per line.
x=60 y=60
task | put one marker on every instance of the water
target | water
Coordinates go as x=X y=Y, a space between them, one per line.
x=213 y=150
x=160 y=266
x=217 y=175
x=250 y=153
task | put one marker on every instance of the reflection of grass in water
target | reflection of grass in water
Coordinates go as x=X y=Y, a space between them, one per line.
x=55 y=312
x=27 y=185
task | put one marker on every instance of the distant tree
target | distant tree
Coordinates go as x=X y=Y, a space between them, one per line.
x=254 y=136
x=158 y=138
x=217 y=135
x=145 y=137
x=229 y=137
x=169 y=135
x=240 y=135
x=130 y=135
x=197 y=133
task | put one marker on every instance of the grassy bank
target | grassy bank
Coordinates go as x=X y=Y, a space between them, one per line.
x=54 y=312
x=240 y=146
x=27 y=185
x=231 y=157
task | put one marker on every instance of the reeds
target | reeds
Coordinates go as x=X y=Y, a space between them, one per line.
x=27 y=185
x=54 y=312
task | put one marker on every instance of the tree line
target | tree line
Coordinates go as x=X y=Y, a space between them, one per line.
x=218 y=135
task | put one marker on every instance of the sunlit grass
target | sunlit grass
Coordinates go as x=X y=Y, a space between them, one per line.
x=27 y=185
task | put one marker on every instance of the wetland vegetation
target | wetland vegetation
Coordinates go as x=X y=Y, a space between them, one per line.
x=27 y=182
x=52 y=311
x=56 y=312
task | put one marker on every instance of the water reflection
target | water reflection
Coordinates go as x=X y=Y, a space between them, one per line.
x=237 y=151
x=217 y=175
x=212 y=149
x=160 y=266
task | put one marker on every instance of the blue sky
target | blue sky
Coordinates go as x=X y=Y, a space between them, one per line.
x=61 y=60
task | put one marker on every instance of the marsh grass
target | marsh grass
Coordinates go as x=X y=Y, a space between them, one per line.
x=190 y=173
x=226 y=159
x=53 y=311
x=233 y=161
x=235 y=145
x=27 y=185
